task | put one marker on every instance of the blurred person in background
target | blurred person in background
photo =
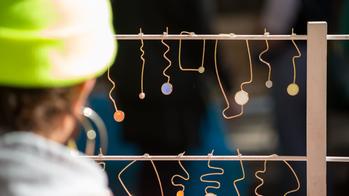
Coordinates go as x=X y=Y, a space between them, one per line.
x=50 y=54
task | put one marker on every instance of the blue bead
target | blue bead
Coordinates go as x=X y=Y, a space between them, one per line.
x=166 y=88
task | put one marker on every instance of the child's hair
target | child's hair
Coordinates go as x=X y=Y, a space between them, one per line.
x=33 y=109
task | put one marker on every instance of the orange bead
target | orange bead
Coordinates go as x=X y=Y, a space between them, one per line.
x=119 y=116
x=180 y=193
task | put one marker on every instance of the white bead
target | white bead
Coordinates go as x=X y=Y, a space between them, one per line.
x=201 y=69
x=141 y=95
x=91 y=134
x=269 y=84
x=241 y=97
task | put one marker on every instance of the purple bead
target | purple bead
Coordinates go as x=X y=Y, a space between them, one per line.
x=166 y=88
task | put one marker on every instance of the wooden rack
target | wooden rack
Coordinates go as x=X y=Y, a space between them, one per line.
x=316 y=104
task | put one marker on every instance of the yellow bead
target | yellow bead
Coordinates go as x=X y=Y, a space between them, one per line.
x=292 y=89
x=201 y=70
x=119 y=116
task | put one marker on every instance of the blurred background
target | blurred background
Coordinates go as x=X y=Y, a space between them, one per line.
x=190 y=118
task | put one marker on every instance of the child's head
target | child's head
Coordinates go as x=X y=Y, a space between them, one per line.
x=51 y=51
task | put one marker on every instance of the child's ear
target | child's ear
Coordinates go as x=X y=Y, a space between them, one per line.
x=82 y=92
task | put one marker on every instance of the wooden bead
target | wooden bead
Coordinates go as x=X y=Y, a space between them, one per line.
x=180 y=193
x=119 y=116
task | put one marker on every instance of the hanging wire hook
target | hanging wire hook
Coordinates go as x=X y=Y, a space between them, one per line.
x=268 y=83
x=293 y=88
x=217 y=183
x=165 y=56
x=264 y=171
x=157 y=174
x=260 y=178
x=241 y=97
x=119 y=177
x=243 y=174
x=296 y=177
x=250 y=65
x=222 y=89
x=166 y=87
x=100 y=155
x=201 y=69
x=119 y=115
x=142 y=94
x=180 y=192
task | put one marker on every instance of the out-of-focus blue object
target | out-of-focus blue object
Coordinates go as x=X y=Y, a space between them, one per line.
x=213 y=132
x=214 y=138
x=116 y=146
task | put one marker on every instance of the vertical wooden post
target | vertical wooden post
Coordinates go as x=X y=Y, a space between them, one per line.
x=316 y=108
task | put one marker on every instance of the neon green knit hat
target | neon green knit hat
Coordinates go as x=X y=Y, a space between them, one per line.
x=54 y=43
